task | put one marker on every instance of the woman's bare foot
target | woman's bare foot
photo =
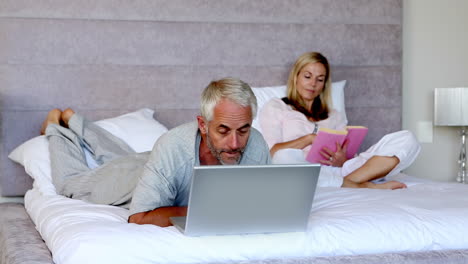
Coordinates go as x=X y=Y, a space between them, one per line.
x=53 y=117
x=391 y=185
x=66 y=115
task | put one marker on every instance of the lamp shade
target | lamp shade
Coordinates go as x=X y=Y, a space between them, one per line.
x=451 y=106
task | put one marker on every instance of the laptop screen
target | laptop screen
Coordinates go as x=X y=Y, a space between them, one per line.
x=246 y=199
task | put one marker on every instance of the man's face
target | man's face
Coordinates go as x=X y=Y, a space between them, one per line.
x=227 y=134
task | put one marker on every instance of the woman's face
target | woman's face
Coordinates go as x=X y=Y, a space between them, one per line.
x=311 y=81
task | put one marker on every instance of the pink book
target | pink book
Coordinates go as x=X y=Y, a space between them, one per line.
x=328 y=137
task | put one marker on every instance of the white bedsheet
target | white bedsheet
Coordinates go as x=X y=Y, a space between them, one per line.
x=426 y=216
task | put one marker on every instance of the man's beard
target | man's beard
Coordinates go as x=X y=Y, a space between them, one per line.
x=217 y=152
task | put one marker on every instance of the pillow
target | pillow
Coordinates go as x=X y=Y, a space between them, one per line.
x=138 y=129
x=265 y=94
x=34 y=156
x=338 y=98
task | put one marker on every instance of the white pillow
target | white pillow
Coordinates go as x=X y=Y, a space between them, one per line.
x=34 y=156
x=265 y=94
x=138 y=129
x=338 y=98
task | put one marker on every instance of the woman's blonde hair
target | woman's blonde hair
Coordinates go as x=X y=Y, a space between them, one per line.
x=322 y=104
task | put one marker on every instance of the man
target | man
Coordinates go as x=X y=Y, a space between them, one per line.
x=221 y=135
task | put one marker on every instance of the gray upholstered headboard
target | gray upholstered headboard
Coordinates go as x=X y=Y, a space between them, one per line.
x=107 y=57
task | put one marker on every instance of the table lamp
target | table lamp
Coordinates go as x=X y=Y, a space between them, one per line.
x=451 y=109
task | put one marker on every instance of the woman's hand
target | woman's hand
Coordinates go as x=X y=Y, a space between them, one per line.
x=335 y=159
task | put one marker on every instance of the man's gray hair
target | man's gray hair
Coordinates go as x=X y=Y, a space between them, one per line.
x=232 y=89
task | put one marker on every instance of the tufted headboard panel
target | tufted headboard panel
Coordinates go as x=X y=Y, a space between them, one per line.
x=108 y=57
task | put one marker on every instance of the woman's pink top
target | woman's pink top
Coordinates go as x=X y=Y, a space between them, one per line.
x=280 y=123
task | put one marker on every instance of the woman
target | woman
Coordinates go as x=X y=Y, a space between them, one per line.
x=292 y=123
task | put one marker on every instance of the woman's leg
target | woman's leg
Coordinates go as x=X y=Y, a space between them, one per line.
x=402 y=145
x=376 y=167
x=392 y=154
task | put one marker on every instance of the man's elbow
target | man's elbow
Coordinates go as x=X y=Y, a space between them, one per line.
x=137 y=218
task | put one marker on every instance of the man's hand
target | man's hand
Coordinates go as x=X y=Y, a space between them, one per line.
x=335 y=159
x=159 y=216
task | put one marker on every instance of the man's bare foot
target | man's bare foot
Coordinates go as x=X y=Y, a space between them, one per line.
x=66 y=115
x=53 y=117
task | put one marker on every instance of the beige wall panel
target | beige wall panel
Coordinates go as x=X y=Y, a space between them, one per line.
x=108 y=57
x=45 y=41
x=160 y=87
x=275 y=11
x=372 y=117
x=379 y=83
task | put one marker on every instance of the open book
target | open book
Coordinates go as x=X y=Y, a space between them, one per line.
x=328 y=137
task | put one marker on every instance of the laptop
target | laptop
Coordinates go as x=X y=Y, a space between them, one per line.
x=247 y=199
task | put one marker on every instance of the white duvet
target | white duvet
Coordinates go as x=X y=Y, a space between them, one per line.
x=425 y=216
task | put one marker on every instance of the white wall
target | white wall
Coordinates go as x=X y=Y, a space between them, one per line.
x=435 y=54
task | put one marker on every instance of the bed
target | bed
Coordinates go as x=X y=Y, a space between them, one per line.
x=150 y=60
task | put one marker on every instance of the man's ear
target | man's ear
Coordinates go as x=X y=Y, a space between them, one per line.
x=202 y=125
